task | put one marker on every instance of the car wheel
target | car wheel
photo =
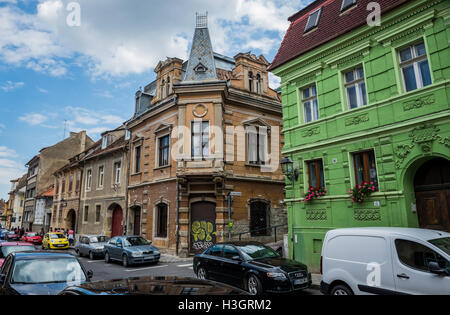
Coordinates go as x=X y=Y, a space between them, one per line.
x=201 y=274
x=125 y=261
x=107 y=258
x=91 y=256
x=254 y=285
x=341 y=289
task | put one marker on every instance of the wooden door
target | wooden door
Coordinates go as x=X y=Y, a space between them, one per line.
x=137 y=221
x=203 y=226
x=432 y=187
x=259 y=219
x=117 y=217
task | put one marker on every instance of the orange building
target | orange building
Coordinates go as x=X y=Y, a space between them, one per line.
x=204 y=128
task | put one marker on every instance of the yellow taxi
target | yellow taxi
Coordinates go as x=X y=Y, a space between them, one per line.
x=55 y=240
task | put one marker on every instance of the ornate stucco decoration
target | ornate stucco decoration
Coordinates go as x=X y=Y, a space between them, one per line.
x=419 y=102
x=422 y=136
x=311 y=132
x=356 y=120
x=200 y=110
x=367 y=215
x=316 y=215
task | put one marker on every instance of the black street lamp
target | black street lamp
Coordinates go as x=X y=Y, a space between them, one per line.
x=288 y=169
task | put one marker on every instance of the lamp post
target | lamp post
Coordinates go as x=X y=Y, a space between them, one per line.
x=288 y=169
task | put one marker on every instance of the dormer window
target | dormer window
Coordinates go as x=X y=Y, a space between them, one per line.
x=258 y=83
x=346 y=4
x=104 y=142
x=313 y=20
x=163 y=83
x=250 y=81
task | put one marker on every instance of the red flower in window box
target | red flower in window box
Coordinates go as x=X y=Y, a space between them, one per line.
x=314 y=193
x=362 y=192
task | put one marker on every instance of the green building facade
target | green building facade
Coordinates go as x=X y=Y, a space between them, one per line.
x=362 y=108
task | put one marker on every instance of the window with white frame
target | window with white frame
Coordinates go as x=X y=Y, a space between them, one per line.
x=117 y=172
x=310 y=105
x=415 y=67
x=200 y=139
x=257 y=145
x=164 y=151
x=88 y=179
x=355 y=86
x=101 y=173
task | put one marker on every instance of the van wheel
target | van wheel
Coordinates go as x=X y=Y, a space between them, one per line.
x=341 y=289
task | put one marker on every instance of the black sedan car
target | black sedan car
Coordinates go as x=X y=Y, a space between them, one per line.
x=153 y=286
x=40 y=273
x=253 y=267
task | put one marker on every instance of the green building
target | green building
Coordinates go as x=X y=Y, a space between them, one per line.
x=365 y=104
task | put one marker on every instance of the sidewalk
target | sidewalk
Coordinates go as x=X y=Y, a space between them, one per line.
x=165 y=258
x=316 y=278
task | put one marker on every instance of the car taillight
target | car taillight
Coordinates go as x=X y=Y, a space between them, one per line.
x=321 y=265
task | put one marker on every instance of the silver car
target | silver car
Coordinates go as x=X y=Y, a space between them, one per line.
x=92 y=246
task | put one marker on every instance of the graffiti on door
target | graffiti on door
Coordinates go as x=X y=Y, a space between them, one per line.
x=203 y=233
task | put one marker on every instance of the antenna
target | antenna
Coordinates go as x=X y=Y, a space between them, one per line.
x=202 y=20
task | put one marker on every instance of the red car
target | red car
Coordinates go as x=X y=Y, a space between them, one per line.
x=12 y=247
x=32 y=237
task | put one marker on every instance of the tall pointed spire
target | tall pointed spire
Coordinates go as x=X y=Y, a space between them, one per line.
x=201 y=65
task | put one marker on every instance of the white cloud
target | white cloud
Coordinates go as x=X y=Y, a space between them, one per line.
x=274 y=81
x=42 y=90
x=5 y=152
x=10 y=168
x=10 y=86
x=34 y=119
x=117 y=37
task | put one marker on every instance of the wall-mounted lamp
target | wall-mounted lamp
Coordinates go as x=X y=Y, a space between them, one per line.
x=288 y=169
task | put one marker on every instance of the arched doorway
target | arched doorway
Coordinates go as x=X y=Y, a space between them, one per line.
x=259 y=218
x=71 y=220
x=432 y=189
x=203 y=226
x=117 y=220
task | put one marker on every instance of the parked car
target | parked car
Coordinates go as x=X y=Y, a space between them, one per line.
x=7 y=248
x=253 y=267
x=12 y=236
x=92 y=246
x=153 y=286
x=40 y=273
x=385 y=261
x=131 y=250
x=3 y=233
x=32 y=237
x=55 y=241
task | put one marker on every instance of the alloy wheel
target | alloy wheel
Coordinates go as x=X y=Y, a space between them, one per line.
x=201 y=274
x=252 y=285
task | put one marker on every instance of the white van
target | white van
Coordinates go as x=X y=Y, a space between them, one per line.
x=385 y=261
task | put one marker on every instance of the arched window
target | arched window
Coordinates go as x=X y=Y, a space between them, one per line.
x=250 y=81
x=168 y=87
x=161 y=220
x=258 y=83
x=163 y=89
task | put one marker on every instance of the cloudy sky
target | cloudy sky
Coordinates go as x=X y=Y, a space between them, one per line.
x=54 y=74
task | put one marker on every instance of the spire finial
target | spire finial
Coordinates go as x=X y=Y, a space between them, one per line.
x=202 y=20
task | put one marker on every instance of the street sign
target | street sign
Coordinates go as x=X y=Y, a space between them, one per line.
x=235 y=194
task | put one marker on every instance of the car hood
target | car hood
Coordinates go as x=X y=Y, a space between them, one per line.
x=286 y=265
x=143 y=248
x=41 y=289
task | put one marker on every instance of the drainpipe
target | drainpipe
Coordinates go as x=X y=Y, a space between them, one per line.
x=177 y=226
x=126 y=188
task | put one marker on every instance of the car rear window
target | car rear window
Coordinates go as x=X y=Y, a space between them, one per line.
x=39 y=271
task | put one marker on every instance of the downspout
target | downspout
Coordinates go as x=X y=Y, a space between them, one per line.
x=126 y=149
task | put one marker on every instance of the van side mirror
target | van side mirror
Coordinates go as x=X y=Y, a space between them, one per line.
x=436 y=269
